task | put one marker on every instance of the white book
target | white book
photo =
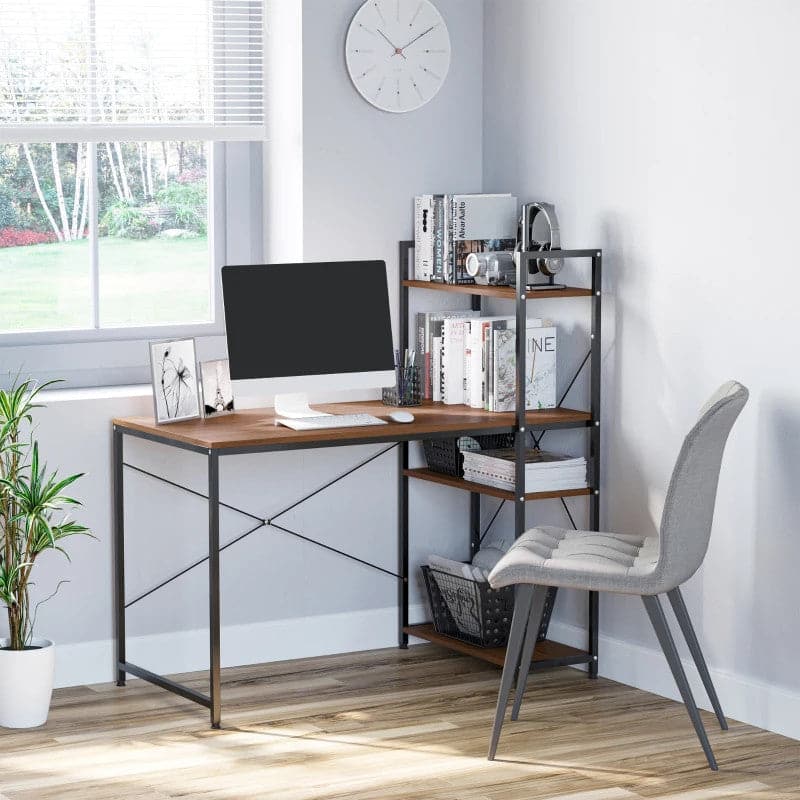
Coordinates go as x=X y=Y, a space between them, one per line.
x=453 y=361
x=436 y=368
x=473 y=369
x=423 y=237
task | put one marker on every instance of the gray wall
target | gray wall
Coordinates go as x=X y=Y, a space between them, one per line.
x=666 y=133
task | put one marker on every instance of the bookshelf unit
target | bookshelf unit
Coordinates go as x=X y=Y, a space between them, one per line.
x=548 y=653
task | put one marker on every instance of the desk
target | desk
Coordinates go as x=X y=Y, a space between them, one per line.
x=255 y=432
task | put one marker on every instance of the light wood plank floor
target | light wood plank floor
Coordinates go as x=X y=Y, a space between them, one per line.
x=389 y=725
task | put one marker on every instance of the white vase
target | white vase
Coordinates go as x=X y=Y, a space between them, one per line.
x=26 y=684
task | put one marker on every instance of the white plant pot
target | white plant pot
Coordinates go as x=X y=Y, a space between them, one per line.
x=26 y=684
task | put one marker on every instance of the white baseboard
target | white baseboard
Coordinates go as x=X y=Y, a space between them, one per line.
x=743 y=698
x=256 y=643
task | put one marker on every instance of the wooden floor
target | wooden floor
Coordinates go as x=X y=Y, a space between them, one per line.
x=388 y=725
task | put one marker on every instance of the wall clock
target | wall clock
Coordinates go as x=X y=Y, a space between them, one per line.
x=398 y=53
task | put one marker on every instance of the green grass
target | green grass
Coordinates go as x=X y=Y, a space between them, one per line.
x=142 y=282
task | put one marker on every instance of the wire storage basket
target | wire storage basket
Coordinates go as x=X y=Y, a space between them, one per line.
x=444 y=455
x=472 y=611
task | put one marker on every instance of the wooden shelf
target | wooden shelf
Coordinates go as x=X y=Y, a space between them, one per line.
x=546 y=650
x=500 y=292
x=468 y=486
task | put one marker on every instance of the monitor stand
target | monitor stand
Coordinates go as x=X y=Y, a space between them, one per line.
x=295 y=406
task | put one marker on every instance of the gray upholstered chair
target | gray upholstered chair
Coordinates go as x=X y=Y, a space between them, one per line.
x=639 y=565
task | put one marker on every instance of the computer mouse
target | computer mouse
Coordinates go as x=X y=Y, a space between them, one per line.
x=401 y=416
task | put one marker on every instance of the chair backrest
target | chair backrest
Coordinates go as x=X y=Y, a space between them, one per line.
x=689 y=506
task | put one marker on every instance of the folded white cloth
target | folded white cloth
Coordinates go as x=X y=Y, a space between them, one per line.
x=457 y=568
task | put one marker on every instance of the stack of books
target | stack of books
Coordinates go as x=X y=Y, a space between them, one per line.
x=469 y=359
x=448 y=227
x=544 y=471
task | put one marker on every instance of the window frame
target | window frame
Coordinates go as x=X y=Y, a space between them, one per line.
x=236 y=230
x=216 y=256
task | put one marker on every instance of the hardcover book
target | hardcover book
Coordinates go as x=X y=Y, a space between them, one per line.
x=423 y=237
x=425 y=349
x=478 y=223
x=540 y=368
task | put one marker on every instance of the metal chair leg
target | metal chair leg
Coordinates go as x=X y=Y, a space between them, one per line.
x=682 y=613
x=659 y=622
x=522 y=605
x=531 y=636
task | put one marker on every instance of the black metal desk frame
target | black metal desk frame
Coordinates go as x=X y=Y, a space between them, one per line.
x=398 y=442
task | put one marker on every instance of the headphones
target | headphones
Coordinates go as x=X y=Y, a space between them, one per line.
x=530 y=213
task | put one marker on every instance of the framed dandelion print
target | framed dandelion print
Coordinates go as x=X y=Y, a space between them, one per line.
x=173 y=365
x=215 y=379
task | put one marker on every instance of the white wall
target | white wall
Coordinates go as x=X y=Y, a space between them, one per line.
x=361 y=169
x=666 y=133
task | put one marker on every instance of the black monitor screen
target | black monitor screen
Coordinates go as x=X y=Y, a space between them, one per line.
x=285 y=320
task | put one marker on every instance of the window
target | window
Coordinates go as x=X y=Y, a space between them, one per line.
x=109 y=115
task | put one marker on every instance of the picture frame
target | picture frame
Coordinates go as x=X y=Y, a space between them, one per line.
x=173 y=371
x=216 y=386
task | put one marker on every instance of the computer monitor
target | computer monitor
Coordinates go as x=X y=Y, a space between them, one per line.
x=298 y=328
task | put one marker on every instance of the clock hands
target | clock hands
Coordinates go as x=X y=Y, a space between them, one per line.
x=424 y=33
x=398 y=51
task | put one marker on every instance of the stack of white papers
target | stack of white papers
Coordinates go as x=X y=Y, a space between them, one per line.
x=544 y=471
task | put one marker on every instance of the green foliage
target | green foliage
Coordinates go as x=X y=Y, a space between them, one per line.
x=32 y=503
x=184 y=205
x=127 y=220
x=9 y=218
x=182 y=194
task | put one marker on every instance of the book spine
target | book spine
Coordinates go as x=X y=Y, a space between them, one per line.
x=450 y=250
x=474 y=393
x=436 y=360
x=453 y=361
x=438 y=238
x=420 y=344
x=423 y=237
x=467 y=368
x=486 y=345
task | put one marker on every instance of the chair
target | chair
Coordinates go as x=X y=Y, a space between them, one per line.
x=638 y=565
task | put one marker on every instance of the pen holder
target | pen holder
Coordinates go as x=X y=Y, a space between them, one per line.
x=406 y=391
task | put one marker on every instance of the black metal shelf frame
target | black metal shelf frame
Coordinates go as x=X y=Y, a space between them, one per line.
x=522 y=295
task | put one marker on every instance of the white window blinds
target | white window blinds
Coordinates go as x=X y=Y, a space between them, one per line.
x=100 y=70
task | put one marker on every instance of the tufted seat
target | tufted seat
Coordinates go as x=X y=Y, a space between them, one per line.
x=647 y=566
x=605 y=562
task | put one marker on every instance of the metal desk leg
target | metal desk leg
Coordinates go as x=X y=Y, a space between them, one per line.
x=402 y=544
x=213 y=587
x=119 y=552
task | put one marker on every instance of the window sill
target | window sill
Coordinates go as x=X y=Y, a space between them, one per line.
x=96 y=393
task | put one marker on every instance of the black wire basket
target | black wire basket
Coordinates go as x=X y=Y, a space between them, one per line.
x=444 y=455
x=472 y=611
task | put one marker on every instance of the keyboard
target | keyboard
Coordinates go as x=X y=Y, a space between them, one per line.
x=330 y=421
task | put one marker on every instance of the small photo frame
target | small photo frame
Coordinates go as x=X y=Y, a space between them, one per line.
x=215 y=379
x=173 y=368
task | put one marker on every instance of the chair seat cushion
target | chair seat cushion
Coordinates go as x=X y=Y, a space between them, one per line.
x=579 y=559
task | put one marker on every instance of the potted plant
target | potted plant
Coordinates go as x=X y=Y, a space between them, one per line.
x=32 y=521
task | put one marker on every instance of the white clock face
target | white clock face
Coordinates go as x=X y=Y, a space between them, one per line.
x=398 y=53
